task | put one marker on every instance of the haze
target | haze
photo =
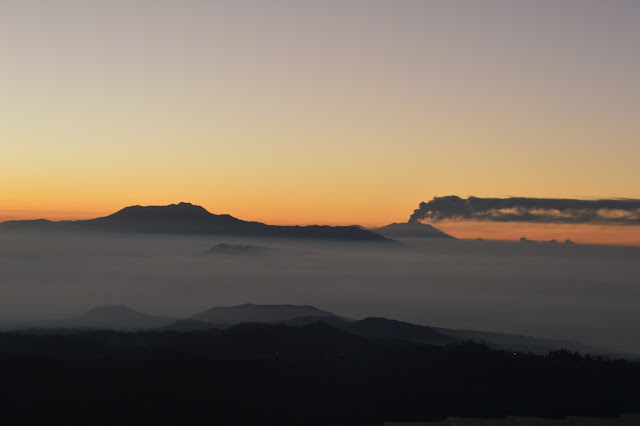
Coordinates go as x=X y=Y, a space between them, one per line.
x=580 y=293
x=288 y=212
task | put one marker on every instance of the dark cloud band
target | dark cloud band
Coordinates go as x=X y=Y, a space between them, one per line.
x=522 y=209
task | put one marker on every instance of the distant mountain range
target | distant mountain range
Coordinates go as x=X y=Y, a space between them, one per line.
x=186 y=218
x=123 y=318
x=550 y=243
x=410 y=230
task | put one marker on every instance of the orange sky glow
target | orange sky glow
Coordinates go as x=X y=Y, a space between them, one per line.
x=333 y=112
x=580 y=233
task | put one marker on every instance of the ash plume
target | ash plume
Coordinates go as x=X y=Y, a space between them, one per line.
x=535 y=210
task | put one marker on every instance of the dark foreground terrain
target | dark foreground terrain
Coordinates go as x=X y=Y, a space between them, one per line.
x=258 y=374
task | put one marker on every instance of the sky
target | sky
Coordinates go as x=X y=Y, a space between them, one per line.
x=332 y=112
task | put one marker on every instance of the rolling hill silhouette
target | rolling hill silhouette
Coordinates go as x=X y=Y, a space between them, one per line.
x=107 y=317
x=382 y=328
x=522 y=343
x=250 y=313
x=187 y=218
x=123 y=318
x=117 y=317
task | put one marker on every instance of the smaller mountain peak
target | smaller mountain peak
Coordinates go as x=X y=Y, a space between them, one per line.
x=411 y=230
x=110 y=309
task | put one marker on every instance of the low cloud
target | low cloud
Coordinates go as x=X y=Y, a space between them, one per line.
x=535 y=210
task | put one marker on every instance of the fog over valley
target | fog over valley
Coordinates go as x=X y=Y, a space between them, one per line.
x=575 y=292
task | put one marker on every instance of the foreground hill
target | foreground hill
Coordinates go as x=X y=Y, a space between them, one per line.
x=270 y=374
x=186 y=218
x=410 y=230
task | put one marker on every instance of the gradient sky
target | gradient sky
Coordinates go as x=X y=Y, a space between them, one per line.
x=337 y=112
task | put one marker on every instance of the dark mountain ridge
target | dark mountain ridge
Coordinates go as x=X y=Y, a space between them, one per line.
x=123 y=318
x=186 y=218
x=522 y=343
x=258 y=313
x=382 y=328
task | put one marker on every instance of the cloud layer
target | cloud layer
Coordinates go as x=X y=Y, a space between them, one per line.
x=522 y=209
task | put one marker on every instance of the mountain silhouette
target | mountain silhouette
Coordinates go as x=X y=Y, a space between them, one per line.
x=119 y=317
x=247 y=250
x=123 y=318
x=250 y=313
x=187 y=218
x=29 y=224
x=410 y=230
x=108 y=317
x=521 y=343
x=382 y=328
